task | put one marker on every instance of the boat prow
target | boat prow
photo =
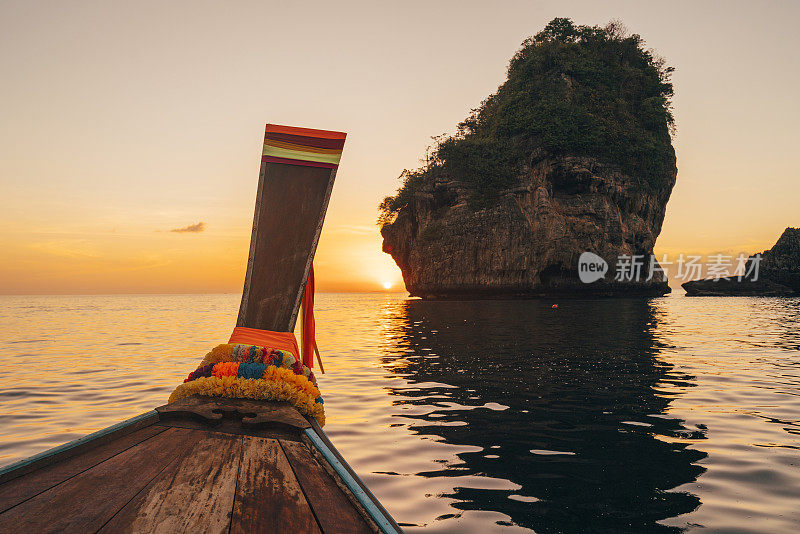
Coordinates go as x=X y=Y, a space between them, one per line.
x=223 y=463
x=201 y=464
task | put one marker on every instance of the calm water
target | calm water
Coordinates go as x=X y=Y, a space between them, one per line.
x=603 y=416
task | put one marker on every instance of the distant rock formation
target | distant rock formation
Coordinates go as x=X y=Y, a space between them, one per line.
x=778 y=273
x=572 y=154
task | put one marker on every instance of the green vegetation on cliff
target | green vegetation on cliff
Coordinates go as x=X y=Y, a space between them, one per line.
x=571 y=90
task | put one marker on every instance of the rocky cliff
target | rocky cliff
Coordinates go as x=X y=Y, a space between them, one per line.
x=778 y=273
x=781 y=263
x=573 y=153
x=529 y=241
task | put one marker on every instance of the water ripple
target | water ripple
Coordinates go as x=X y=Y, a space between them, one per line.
x=658 y=415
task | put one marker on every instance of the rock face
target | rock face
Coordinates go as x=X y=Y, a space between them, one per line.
x=781 y=263
x=778 y=273
x=528 y=243
x=571 y=154
x=724 y=287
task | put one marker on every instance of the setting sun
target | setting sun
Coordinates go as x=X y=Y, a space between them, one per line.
x=387 y=285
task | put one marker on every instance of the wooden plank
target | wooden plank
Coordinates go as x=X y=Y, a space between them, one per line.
x=67 y=450
x=253 y=414
x=85 y=502
x=333 y=509
x=324 y=437
x=269 y=499
x=232 y=427
x=195 y=494
x=290 y=209
x=273 y=414
x=197 y=407
x=23 y=488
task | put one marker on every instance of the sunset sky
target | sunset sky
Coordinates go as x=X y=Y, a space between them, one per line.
x=123 y=121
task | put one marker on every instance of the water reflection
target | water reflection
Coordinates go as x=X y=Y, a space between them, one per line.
x=464 y=417
x=569 y=404
x=786 y=314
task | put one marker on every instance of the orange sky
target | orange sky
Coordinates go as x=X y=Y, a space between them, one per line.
x=120 y=122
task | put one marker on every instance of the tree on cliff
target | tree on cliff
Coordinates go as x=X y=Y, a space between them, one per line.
x=571 y=90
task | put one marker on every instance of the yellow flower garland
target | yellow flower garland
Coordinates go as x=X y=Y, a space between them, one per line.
x=276 y=384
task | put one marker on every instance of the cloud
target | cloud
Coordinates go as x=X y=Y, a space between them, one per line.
x=192 y=228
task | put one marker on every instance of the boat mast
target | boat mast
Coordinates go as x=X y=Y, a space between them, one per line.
x=291 y=202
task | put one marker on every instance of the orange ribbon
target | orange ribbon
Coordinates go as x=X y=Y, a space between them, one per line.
x=285 y=340
x=265 y=338
x=308 y=332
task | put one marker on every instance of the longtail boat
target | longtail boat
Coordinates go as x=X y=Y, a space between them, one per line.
x=239 y=446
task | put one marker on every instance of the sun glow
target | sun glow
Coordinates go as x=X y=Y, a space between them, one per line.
x=387 y=285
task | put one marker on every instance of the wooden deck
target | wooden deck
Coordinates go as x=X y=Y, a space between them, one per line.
x=197 y=465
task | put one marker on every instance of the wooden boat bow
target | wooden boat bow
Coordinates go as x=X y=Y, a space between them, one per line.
x=215 y=464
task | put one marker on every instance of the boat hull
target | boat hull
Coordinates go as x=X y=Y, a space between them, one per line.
x=202 y=464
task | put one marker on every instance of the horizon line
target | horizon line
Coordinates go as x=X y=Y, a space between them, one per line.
x=174 y=293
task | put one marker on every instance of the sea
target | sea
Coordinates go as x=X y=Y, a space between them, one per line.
x=628 y=415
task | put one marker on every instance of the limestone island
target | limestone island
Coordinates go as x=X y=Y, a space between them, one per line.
x=777 y=274
x=573 y=153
